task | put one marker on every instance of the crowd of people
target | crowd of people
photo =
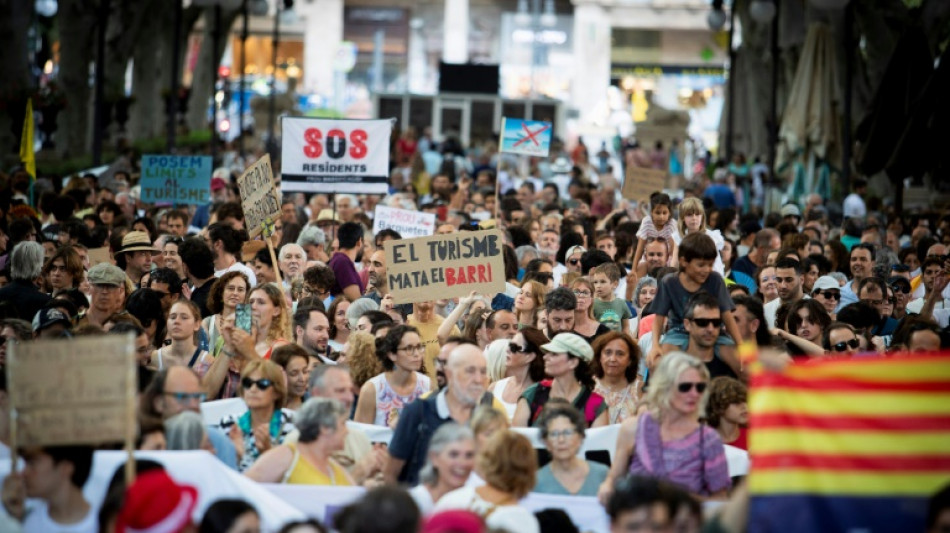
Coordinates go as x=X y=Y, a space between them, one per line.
x=614 y=313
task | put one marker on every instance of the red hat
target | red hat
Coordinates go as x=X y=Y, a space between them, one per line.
x=456 y=521
x=156 y=504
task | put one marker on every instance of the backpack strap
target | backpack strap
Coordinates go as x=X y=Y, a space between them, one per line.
x=541 y=394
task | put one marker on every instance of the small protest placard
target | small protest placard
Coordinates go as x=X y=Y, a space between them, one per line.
x=176 y=179
x=525 y=137
x=445 y=266
x=641 y=182
x=259 y=196
x=73 y=391
x=99 y=255
x=409 y=224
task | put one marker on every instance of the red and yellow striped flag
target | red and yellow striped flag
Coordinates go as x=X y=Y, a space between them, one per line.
x=848 y=444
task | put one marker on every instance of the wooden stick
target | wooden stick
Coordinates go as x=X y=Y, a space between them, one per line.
x=497 y=200
x=130 y=393
x=14 y=416
x=273 y=259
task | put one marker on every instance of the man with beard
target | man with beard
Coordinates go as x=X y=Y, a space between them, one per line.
x=790 y=277
x=548 y=243
x=703 y=323
x=291 y=262
x=312 y=332
x=343 y=262
x=380 y=283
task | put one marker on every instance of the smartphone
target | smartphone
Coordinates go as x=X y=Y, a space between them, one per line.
x=242 y=317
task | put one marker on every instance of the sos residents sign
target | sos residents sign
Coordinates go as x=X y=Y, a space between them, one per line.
x=328 y=156
x=445 y=266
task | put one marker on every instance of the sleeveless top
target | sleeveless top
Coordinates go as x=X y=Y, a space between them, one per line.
x=388 y=403
x=498 y=390
x=303 y=472
x=191 y=363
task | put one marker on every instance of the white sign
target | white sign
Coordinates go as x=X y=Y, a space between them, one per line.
x=330 y=156
x=408 y=223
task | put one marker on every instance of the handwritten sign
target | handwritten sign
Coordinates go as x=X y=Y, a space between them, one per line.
x=408 y=223
x=525 y=137
x=176 y=179
x=330 y=155
x=75 y=391
x=99 y=255
x=641 y=182
x=259 y=196
x=445 y=266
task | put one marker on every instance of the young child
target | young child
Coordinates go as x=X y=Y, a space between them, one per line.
x=693 y=220
x=696 y=254
x=609 y=310
x=659 y=225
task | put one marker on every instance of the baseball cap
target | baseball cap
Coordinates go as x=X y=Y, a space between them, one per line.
x=574 y=249
x=45 y=318
x=791 y=210
x=106 y=274
x=825 y=283
x=572 y=344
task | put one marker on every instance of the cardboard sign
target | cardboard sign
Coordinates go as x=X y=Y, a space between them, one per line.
x=329 y=156
x=641 y=182
x=445 y=266
x=176 y=179
x=73 y=391
x=408 y=223
x=259 y=196
x=99 y=255
x=525 y=137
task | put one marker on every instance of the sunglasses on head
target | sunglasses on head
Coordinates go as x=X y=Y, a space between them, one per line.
x=516 y=348
x=843 y=346
x=262 y=384
x=831 y=295
x=705 y=322
x=685 y=386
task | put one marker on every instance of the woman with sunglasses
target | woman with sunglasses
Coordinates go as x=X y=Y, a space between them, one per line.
x=567 y=361
x=827 y=292
x=264 y=425
x=900 y=288
x=562 y=430
x=668 y=441
x=584 y=323
x=841 y=339
x=524 y=366
x=383 y=397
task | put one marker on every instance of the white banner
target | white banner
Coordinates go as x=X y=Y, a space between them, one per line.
x=409 y=224
x=330 y=156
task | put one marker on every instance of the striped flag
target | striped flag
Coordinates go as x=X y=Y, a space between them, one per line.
x=26 y=141
x=848 y=444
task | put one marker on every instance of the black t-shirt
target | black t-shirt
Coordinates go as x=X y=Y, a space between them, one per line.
x=200 y=297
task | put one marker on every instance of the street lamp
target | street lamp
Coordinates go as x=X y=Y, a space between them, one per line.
x=762 y=11
x=46 y=8
x=289 y=16
x=717 y=16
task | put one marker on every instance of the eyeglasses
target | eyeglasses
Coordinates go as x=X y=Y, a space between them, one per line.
x=566 y=433
x=685 y=386
x=4 y=340
x=831 y=295
x=705 y=322
x=516 y=348
x=183 y=397
x=582 y=294
x=262 y=384
x=769 y=278
x=410 y=349
x=843 y=346
x=440 y=362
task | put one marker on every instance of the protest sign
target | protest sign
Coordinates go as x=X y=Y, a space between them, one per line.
x=176 y=179
x=641 y=182
x=445 y=266
x=75 y=391
x=331 y=156
x=99 y=255
x=259 y=196
x=525 y=137
x=408 y=223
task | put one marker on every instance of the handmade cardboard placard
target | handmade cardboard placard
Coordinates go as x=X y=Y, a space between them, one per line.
x=445 y=266
x=640 y=183
x=99 y=255
x=73 y=391
x=259 y=196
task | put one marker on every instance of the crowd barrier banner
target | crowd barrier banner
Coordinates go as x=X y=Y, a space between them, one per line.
x=849 y=444
x=176 y=179
x=200 y=469
x=330 y=156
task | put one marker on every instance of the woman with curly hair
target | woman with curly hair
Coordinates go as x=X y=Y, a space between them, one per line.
x=383 y=397
x=361 y=357
x=727 y=412
x=226 y=293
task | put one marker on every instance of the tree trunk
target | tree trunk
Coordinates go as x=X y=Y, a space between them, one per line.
x=77 y=27
x=204 y=77
x=151 y=55
x=15 y=82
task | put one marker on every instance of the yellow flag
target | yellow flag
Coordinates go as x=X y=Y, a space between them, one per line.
x=26 y=141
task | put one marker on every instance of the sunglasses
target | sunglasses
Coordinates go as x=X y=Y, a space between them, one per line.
x=904 y=289
x=573 y=261
x=4 y=340
x=843 y=346
x=262 y=384
x=831 y=295
x=705 y=322
x=516 y=348
x=685 y=386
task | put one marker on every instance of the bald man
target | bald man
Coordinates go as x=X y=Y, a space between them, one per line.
x=466 y=376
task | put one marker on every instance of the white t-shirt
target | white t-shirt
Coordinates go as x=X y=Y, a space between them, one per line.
x=423 y=498
x=506 y=517
x=38 y=521
x=239 y=267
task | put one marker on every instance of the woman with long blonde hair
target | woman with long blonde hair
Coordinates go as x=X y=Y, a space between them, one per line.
x=693 y=220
